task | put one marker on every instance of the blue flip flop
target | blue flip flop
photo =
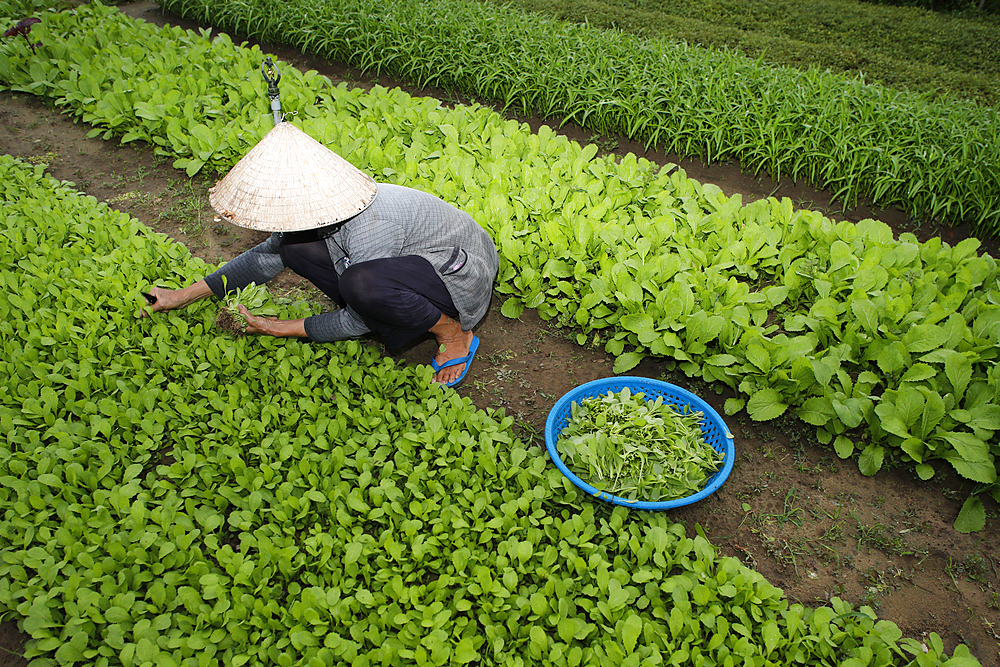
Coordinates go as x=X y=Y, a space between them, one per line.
x=467 y=360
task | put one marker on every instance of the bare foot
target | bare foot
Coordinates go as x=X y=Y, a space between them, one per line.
x=453 y=343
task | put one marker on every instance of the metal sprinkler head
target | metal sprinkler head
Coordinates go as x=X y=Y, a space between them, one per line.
x=272 y=76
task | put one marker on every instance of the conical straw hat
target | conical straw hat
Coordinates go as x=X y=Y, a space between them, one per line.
x=290 y=182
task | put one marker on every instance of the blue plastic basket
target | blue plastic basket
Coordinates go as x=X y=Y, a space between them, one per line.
x=715 y=431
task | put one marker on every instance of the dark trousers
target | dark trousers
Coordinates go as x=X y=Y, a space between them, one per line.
x=400 y=298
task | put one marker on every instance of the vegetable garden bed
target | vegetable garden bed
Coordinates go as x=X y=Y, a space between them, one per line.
x=498 y=367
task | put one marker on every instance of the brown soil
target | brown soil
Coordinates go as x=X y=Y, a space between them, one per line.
x=234 y=325
x=811 y=523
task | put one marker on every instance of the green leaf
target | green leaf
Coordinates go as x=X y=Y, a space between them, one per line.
x=512 y=308
x=972 y=516
x=844 y=446
x=766 y=404
x=466 y=651
x=117 y=614
x=918 y=372
x=772 y=635
x=924 y=338
x=891 y=420
x=986 y=416
x=958 y=369
x=968 y=446
x=567 y=628
x=892 y=358
x=817 y=411
x=72 y=651
x=631 y=630
x=734 y=405
x=932 y=414
x=914 y=447
x=866 y=312
x=850 y=411
x=924 y=471
x=352 y=552
x=303 y=638
x=977 y=471
x=721 y=360
x=627 y=361
x=871 y=459
x=776 y=294
x=758 y=356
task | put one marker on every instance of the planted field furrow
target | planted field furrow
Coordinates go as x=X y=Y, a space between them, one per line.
x=174 y=496
x=873 y=340
x=936 y=159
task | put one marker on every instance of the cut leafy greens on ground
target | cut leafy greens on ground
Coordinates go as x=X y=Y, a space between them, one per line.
x=637 y=449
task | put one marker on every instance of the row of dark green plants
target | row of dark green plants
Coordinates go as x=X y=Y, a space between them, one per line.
x=888 y=347
x=937 y=159
x=954 y=53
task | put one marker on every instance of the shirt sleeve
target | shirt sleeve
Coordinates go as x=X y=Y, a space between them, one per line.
x=258 y=265
x=337 y=325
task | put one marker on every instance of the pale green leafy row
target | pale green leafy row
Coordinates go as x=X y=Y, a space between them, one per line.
x=171 y=496
x=890 y=342
x=936 y=159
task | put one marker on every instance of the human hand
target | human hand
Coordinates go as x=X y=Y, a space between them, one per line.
x=160 y=298
x=255 y=324
x=272 y=326
x=165 y=298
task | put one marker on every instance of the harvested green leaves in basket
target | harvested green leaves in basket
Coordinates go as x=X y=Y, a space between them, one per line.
x=637 y=449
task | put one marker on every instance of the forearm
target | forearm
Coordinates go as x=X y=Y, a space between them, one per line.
x=194 y=292
x=257 y=265
x=279 y=328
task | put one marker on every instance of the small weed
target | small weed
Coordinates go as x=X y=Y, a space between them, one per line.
x=506 y=374
x=972 y=567
x=874 y=537
x=501 y=356
x=832 y=534
x=190 y=210
x=140 y=198
x=527 y=430
x=43 y=158
x=784 y=552
x=789 y=514
x=764 y=480
x=606 y=144
x=116 y=181
x=876 y=586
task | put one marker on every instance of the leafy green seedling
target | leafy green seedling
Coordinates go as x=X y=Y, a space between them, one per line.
x=230 y=319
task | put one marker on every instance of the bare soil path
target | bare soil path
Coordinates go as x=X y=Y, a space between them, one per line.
x=811 y=523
